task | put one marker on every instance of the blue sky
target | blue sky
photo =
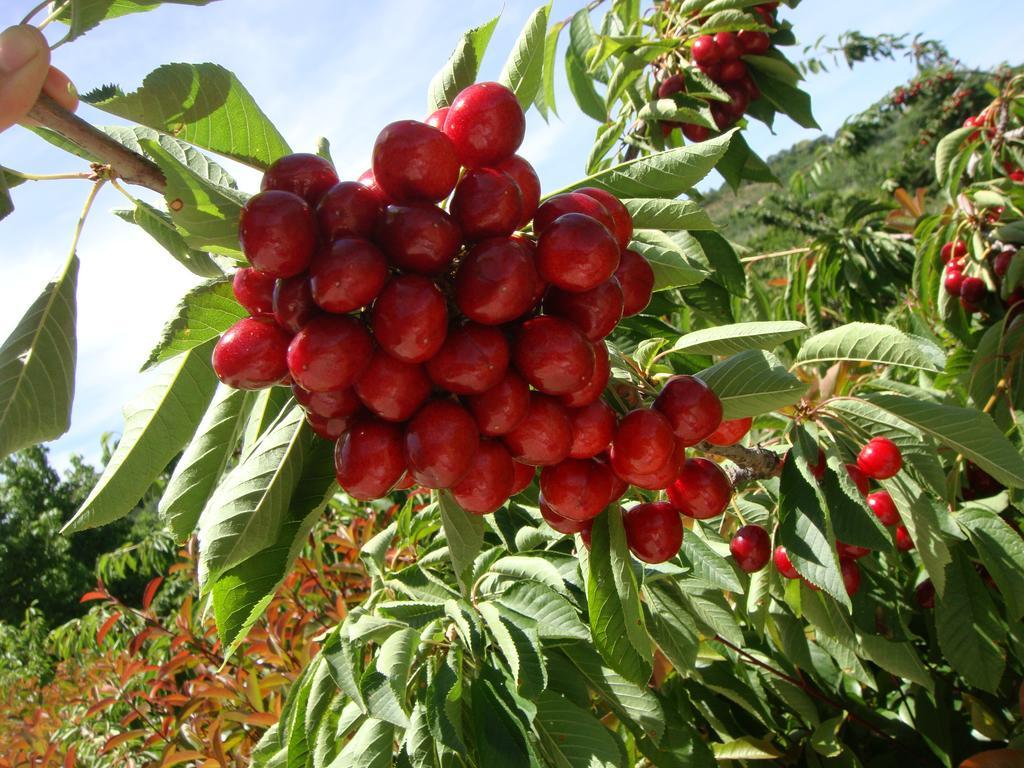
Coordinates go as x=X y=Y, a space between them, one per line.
x=344 y=70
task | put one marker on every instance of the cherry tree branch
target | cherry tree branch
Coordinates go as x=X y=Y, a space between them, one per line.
x=755 y=463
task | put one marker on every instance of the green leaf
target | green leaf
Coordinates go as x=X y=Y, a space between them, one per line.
x=419 y=745
x=613 y=599
x=161 y=228
x=1002 y=553
x=671 y=625
x=658 y=213
x=501 y=741
x=83 y=15
x=371 y=747
x=546 y=95
x=751 y=383
x=672 y=265
x=967 y=431
x=686 y=110
x=461 y=69
x=738 y=337
x=340 y=655
x=741 y=163
x=746 y=748
x=710 y=568
x=203 y=313
x=582 y=88
x=525 y=64
x=921 y=516
x=789 y=100
x=250 y=506
x=6 y=203
x=573 y=736
x=134 y=136
x=37 y=367
x=867 y=342
x=776 y=65
x=465 y=536
x=204 y=460
x=444 y=702
x=532 y=567
x=728 y=269
x=664 y=174
x=520 y=645
x=947 y=148
x=897 y=658
x=203 y=104
x=554 y=617
x=157 y=425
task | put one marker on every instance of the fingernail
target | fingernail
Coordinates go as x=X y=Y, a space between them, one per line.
x=18 y=46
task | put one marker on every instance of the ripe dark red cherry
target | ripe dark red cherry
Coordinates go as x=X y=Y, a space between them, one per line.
x=293 y=303
x=486 y=124
x=595 y=312
x=973 y=290
x=751 y=546
x=500 y=409
x=392 y=389
x=440 y=442
x=552 y=355
x=544 y=436
x=523 y=476
x=329 y=429
x=413 y=161
x=924 y=594
x=368 y=459
x=733 y=72
x=851 y=576
x=576 y=253
x=880 y=458
x=622 y=222
x=251 y=354
x=696 y=133
x=410 y=319
x=437 y=118
x=368 y=180
x=496 y=281
x=347 y=274
x=851 y=551
x=705 y=50
x=419 y=237
x=903 y=541
x=636 y=278
x=277 y=232
x=254 y=291
x=953 y=281
x=752 y=42
x=818 y=470
x=1001 y=263
x=585 y=533
x=308 y=176
x=654 y=531
x=730 y=432
x=348 y=209
x=526 y=179
x=642 y=444
x=571 y=202
x=561 y=524
x=783 y=564
x=334 y=404
x=671 y=85
x=593 y=427
x=473 y=359
x=738 y=101
x=884 y=507
x=662 y=477
x=859 y=479
x=702 y=489
x=728 y=46
x=488 y=482
x=958 y=249
x=577 y=488
x=693 y=410
x=487 y=203
x=329 y=353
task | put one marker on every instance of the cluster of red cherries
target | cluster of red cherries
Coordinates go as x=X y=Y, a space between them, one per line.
x=719 y=56
x=971 y=289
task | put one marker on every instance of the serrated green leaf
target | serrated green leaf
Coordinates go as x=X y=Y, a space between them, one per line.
x=464 y=533
x=573 y=736
x=462 y=66
x=866 y=342
x=203 y=313
x=546 y=94
x=84 y=15
x=555 y=618
x=671 y=625
x=520 y=645
x=746 y=748
x=340 y=655
x=739 y=337
x=582 y=88
x=1002 y=552
x=524 y=67
x=444 y=702
x=135 y=136
x=723 y=259
x=371 y=747
x=501 y=740
x=751 y=383
x=533 y=567
x=947 y=148
x=710 y=568
x=658 y=213
x=789 y=100
x=159 y=226
x=672 y=265
x=897 y=658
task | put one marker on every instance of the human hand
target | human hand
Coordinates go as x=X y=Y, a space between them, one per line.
x=25 y=71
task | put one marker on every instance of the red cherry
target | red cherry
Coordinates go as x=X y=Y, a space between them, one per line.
x=334 y=404
x=496 y=281
x=473 y=359
x=329 y=353
x=413 y=161
x=488 y=482
x=705 y=50
x=419 y=237
x=1001 y=264
x=851 y=551
x=751 y=546
x=369 y=460
x=593 y=427
x=884 y=507
x=571 y=202
x=903 y=541
x=308 y=176
x=405 y=483
x=585 y=533
x=696 y=133
x=331 y=429
x=349 y=209
x=662 y=477
x=410 y=318
x=552 y=355
x=924 y=594
x=959 y=249
x=728 y=45
x=953 y=281
x=347 y=275
x=973 y=290
x=622 y=222
x=368 y=180
x=254 y=291
x=523 y=476
x=880 y=458
x=636 y=278
x=722 y=115
x=738 y=101
x=969 y=306
x=595 y=312
x=437 y=118
x=654 y=531
x=702 y=489
x=733 y=72
x=392 y=389
x=783 y=564
x=713 y=70
x=619 y=486
x=544 y=436
x=487 y=203
x=751 y=89
x=293 y=303
x=277 y=232
x=642 y=444
x=859 y=479
x=500 y=409
x=693 y=410
x=440 y=442
x=730 y=432
x=561 y=524
x=578 y=489
x=671 y=85
x=851 y=576
x=251 y=354
x=946 y=252
x=755 y=43
x=818 y=470
x=526 y=179
x=486 y=124
x=576 y=253
x=593 y=388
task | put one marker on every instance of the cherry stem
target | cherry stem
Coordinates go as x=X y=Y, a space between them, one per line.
x=34 y=11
